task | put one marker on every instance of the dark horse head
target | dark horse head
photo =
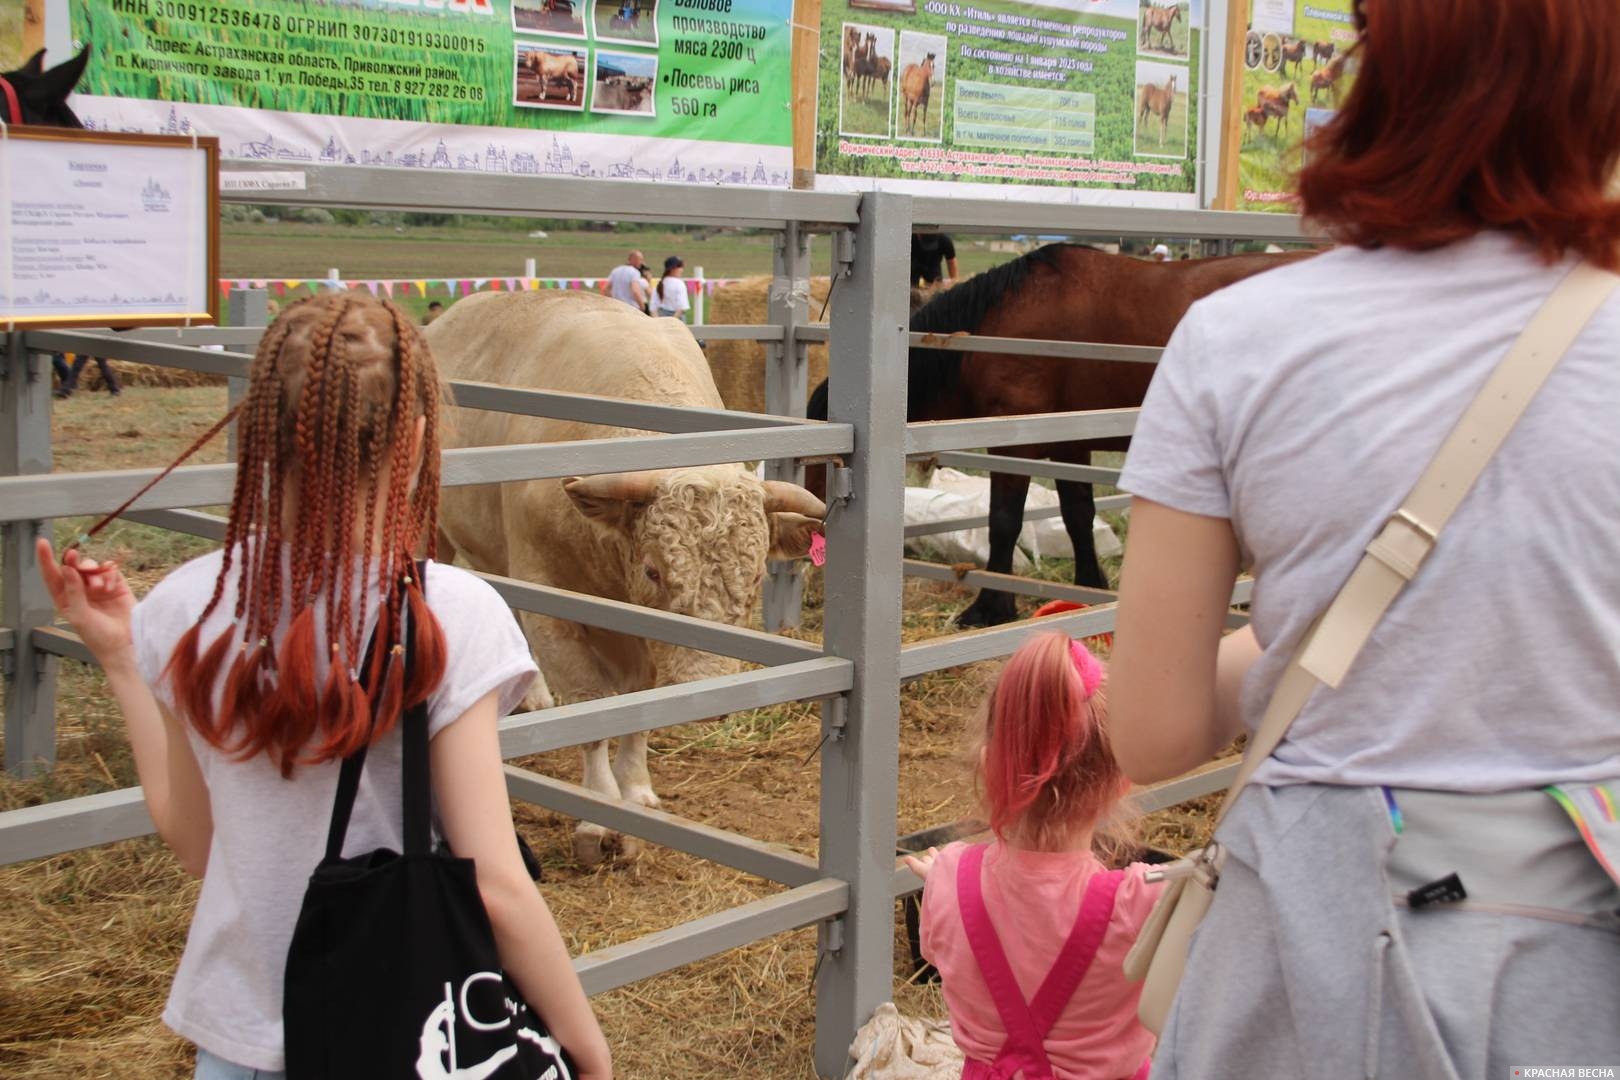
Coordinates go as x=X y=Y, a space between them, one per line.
x=934 y=386
x=32 y=95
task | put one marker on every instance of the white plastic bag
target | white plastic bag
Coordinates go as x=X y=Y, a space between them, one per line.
x=895 y=1047
x=953 y=494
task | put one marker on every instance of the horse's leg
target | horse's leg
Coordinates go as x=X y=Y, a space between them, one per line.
x=992 y=607
x=1078 y=504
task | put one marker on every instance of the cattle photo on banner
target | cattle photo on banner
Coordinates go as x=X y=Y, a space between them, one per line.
x=1289 y=65
x=1069 y=100
x=691 y=91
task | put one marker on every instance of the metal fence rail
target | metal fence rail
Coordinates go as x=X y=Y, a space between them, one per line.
x=847 y=891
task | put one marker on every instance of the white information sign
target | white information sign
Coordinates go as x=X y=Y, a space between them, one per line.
x=107 y=230
x=1272 y=17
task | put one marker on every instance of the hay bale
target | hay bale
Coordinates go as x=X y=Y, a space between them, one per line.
x=739 y=366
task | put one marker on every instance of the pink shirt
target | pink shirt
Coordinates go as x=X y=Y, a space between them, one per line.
x=1033 y=898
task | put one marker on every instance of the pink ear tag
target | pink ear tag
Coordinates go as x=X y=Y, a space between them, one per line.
x=818 y=549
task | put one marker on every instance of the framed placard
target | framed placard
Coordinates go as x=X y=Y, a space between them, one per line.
x=108 y=229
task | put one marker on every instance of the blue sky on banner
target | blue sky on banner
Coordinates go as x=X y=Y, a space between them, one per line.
x=1122 y=9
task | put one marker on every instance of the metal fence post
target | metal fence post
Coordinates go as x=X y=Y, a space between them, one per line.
x=787 y=373
x=30 y=675
x=245 y=307
x=860 y=761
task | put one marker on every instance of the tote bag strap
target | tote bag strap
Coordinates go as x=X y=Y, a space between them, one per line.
x=1332 y=643
x=417 y=789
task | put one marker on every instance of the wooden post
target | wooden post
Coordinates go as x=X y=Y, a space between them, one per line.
x=1231 y=134
x=806 y=83
x=33 y=31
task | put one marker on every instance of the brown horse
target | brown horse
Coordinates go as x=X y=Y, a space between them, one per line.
x=1293 y=53
x=1061 y=292
x=1159 y=20
x=1158 y=100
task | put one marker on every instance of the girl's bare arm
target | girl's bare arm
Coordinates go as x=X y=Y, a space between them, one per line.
x=97 y=602
x=477 y=818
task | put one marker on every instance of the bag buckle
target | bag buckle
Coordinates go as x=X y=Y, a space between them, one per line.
x=1203 y=864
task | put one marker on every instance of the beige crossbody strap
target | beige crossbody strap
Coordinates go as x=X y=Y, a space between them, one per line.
x=1393 y=558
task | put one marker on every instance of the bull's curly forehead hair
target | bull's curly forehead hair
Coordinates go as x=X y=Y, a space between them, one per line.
x=327 y=429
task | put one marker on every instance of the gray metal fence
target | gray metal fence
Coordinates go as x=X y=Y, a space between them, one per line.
x=849 y=891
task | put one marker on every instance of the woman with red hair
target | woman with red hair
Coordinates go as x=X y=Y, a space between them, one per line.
x=313 y=637
x=1422 y=879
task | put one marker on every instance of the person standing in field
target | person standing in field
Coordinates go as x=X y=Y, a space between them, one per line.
x=622 y=283
x=669 y=296
x=933 y=258
x=69 y=373
x=247 y=676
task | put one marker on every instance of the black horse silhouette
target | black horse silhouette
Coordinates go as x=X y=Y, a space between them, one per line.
x=33 y=95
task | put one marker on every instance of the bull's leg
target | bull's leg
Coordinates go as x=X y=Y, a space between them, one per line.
x=590 y=839
x=630 y=769
x=1079 y=507
x=991 y=607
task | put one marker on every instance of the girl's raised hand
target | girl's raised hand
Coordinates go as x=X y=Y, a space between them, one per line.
x=921 y=864
x=93 y=597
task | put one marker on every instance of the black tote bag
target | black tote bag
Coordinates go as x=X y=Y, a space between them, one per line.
x=393 y=971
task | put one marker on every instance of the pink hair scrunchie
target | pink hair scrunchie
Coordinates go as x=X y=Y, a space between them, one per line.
x=1089 y=667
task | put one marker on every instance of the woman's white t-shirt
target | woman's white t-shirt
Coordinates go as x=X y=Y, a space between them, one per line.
x=269 y=832
x=1302 y=404
x=674 y=300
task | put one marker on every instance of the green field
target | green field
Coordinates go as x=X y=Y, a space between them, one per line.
x=866 y=115
x=1113 y=81
x=1180 y=36
x=1174 y=145
x=278 y=250
x=1270 y=158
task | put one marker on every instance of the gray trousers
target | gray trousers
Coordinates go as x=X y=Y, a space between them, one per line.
x=1305 y=968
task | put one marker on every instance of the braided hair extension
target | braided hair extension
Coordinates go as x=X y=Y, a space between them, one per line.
x=326 y=481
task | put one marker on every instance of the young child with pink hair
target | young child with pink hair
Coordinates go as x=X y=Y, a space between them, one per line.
x=1030 y=931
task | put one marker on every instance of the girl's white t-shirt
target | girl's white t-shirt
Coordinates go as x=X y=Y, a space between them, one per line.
x=674 y=301
x=1302 y=404
x=270 y=832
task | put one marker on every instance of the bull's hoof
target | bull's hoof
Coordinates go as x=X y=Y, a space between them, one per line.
x=984 y=612
x=591 y=847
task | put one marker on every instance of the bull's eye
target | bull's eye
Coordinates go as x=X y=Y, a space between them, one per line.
x=653 y=575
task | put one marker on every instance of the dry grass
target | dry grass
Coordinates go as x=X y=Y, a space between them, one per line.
x=93 y=937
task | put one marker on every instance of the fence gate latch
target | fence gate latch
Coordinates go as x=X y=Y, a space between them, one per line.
x=844 y=251
x=841 y=484
x=833 y=944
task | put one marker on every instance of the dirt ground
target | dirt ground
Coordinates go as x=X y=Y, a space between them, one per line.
x=91 y=938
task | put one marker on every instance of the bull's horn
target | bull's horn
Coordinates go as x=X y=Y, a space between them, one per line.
x=630 y=487
x=782 y=497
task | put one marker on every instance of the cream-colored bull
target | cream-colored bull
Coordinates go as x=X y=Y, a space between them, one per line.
x=692 y=541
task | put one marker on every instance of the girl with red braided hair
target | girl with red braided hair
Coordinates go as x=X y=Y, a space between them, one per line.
x=1030 y=931
x=244 y=675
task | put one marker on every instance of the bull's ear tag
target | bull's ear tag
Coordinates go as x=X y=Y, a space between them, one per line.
x=818 y=549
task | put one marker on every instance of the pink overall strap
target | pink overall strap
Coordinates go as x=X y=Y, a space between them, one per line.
x=1074 y=960
x=1027 y=1028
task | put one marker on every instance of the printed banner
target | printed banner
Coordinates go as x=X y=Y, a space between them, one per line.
x=1071 y=100
x=1295 y=68
x=694 y=91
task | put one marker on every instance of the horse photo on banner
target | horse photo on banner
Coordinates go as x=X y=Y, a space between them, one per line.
x=1042 y=100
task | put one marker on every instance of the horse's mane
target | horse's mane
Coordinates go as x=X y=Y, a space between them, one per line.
x=936 y=372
